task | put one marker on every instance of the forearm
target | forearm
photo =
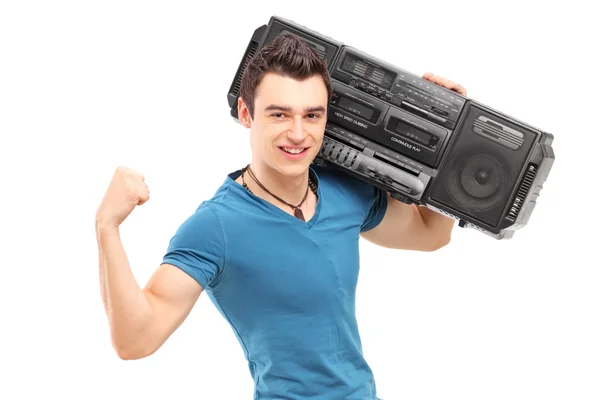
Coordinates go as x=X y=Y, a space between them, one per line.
x=127 y=308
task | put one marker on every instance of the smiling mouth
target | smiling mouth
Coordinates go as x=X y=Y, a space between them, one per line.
x=294 y=150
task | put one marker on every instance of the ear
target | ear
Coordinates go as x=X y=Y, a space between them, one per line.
x=243 y=113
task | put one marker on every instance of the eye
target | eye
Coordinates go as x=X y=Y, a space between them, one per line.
x=277 y=115
x=313 y=116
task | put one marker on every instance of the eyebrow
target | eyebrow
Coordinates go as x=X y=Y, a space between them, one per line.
x=277 y=107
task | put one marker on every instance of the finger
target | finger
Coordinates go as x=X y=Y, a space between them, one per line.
x=456 y=87
x=136 y=175
x=461 y=89
x=143 y=195
x=447 y=83
x=143 y=198
x=128 y=173
x=435 y=78
x=139 y=192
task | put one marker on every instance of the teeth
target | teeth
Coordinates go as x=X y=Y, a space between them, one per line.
x=292 y=151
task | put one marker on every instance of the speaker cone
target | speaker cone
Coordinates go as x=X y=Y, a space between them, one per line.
x=477 y=179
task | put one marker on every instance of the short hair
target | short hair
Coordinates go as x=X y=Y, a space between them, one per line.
x=286 y=55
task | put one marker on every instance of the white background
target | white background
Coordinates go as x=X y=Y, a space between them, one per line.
x=88 y=86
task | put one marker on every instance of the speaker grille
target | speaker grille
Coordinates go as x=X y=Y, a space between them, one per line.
x=238 y=80
x=482 y=171
x=522 y=193
x=498 y=132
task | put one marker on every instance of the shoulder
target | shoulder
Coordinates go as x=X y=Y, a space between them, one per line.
x=198 y=246
x=201 y=224
x=206 y=220
x=227 y=208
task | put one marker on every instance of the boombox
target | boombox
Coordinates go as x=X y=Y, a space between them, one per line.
x=421 y=142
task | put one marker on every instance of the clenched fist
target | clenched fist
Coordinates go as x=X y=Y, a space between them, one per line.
x=126 y=190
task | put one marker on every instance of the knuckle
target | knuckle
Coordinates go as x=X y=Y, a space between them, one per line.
x=129 y=189
x=135 y=175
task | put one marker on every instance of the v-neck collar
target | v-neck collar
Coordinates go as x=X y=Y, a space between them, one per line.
x=273 y=208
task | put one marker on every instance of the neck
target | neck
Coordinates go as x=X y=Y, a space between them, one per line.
x=289 y=188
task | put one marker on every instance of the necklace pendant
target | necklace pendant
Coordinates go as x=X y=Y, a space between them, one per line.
x=299 y=214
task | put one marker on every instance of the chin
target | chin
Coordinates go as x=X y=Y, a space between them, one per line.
x=295 y=167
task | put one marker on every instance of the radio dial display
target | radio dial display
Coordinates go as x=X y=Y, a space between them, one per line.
x=368 y=71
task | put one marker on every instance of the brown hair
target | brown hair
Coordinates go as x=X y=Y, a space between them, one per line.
x=286 y=55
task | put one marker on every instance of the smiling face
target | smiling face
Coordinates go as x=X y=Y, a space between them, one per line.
x=286 y=132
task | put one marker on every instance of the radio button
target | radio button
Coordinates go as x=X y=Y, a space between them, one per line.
x=327 y=148
x=412 y=107
x=436 y=118
x=397 y=101
x=342 y=154
x=357 y=145
x=350 y=158
x=385 y=157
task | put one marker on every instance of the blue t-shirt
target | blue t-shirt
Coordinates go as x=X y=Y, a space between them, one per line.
x=287 y=287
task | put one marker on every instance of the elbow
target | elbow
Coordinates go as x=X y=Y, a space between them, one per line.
x=128 y=354
x=438 y=242
x=130 y=350
x=444 y=241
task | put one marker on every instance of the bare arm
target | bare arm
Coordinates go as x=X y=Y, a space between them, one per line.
x=411 y=227
x=140 y=320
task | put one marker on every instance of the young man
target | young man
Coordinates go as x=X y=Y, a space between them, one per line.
x=275 y=248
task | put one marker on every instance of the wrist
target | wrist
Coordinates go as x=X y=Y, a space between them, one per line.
x=103 y=223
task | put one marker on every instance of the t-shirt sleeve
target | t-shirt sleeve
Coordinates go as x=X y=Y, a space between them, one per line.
x=377 y=206
x=198 y=246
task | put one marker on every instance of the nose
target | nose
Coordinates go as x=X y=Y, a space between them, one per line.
x=297 y=132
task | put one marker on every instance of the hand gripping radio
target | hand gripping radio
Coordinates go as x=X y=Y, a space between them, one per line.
x=419 y=141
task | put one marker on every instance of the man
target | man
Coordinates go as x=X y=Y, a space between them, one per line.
x=275 y=248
